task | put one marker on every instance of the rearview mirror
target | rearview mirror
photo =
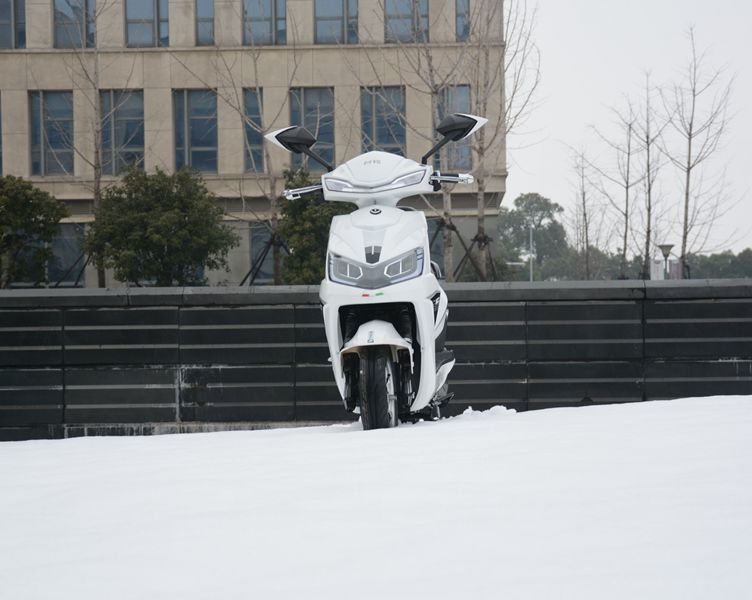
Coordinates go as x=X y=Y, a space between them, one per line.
x=297 y=140
x=294 y=139
x=459 y=126
x=453 y=128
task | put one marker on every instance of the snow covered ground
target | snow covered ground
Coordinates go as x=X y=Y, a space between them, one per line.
x=634 y=501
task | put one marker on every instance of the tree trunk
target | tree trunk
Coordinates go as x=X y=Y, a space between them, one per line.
x=481 y=235
x=276 y=262
x=685 y=223
x=627 y=186
x=101 y=278
x=648 y=201
x=448 y=262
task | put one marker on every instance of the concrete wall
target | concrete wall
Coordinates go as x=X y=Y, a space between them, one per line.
x=75 y=361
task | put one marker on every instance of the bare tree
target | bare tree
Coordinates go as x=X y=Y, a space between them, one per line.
x=629 y=182
x=515 y=86
x=76 y=30
x=488 y=85
x=521 y=63
x=582 y=212
x=231 y=87
x=620 y=175
x=697 y=110
x=441 y=78
x=648 y=130
x=588 y=223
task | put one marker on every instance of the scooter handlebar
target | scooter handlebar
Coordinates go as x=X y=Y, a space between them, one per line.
x=436 y=179
x=296 y=193
x=451 y=178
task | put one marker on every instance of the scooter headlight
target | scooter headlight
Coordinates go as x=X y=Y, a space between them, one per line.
x=405 y=267
x=370 y=277
x=405 y=180
x=344 y=271
x=340 y=185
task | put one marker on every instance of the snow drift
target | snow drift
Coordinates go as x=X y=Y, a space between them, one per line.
x=649 y=500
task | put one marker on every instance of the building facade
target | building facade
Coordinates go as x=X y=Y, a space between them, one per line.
x=91 y=86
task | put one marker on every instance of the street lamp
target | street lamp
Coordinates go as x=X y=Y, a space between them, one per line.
x=665 y=250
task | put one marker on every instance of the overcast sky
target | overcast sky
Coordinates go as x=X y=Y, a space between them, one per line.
x=594 y=52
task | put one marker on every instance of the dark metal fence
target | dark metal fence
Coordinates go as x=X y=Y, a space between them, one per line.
x=144 y=360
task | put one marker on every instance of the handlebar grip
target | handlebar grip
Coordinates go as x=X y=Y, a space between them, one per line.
x=439 y=178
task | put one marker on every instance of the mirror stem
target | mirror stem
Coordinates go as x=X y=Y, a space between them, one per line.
x=443 y=142
x=318 y=159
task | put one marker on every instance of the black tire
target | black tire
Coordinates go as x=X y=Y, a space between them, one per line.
x=378 y=409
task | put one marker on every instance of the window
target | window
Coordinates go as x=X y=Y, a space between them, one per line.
x=336 y=21
x=204 y=22
x=313 y=108
x=254 y=138
x=122 y=130
x=262 y=255
x=196 y=129
x=74 y=24
x=264 y=22
x=406 y=21
x=12 y=23
x=436 y=240
x=146 y=23
x=51 y=133
x=58 y=263
x=66 y=266
x=457 y=155
x=462 y=20
x=382 y=111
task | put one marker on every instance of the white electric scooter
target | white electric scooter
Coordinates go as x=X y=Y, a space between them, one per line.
x=385 y=314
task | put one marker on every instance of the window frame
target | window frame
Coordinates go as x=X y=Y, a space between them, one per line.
x=418 y=35
x=371 y=95
x=200 y=20
x=348 y=20
x=68 y=234
x=277 y=23
x=158 y=19
x=110 y=121
x=325 y=149
x=187 y=147
x=44 y=147
x=16 y=25
x=85 y=27
x=257 y=144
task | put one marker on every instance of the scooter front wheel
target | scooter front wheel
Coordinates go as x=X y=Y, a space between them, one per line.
x=378 y=398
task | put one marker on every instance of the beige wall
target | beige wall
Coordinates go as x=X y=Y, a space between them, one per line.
x=228 y=67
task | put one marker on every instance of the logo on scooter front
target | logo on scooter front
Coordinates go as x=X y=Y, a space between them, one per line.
x=370 y=337
x=375 y=211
